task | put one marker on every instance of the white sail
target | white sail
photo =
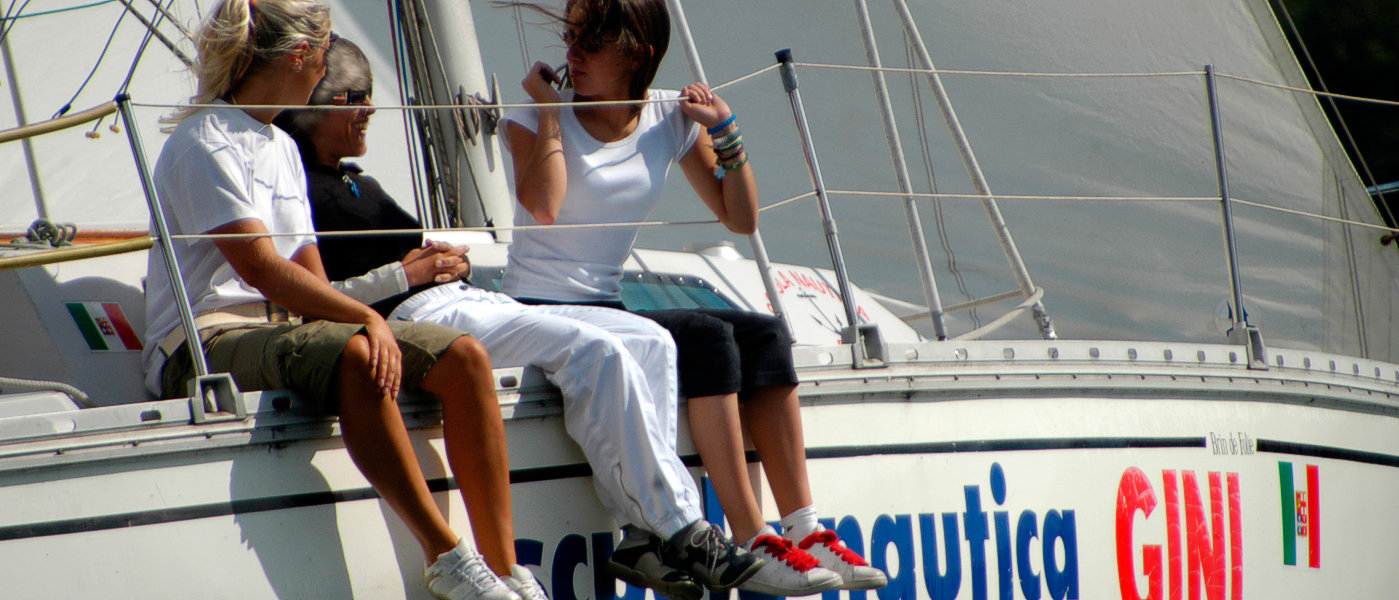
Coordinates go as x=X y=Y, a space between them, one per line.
x=1111 y=269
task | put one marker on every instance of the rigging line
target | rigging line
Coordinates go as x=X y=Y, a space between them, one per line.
x=1300 y=213
x=1308 y=91
x=1290 y=211
x=154 y=29
x=461 y=147
x=54 y=11
x=145 y=41
x=395 y=10
x=169 y=17
x=1029 y=197
x=939 y=218
x=18 y=13
x=1002 y=73
x=1364 y=166
x=747 y=77
x=378 y=107
x=105 y=47
x=485 y=229
x=520 y=35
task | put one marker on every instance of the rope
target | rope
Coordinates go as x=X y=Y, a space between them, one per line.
x=996 y=73
x=33 y=384
x=55 y=11
x=1316 y=216
x=1027 y=197
x=43 y=233
x=1308 y=91
x=75 y=253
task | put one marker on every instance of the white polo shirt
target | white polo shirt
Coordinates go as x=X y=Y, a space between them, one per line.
x=219 y=166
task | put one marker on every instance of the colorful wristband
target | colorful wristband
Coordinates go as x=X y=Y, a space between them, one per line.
x=720 y=127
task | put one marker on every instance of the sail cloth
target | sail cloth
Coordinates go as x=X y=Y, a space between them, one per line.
x=59 y=57
x=1139 y=269
x=1149 y=269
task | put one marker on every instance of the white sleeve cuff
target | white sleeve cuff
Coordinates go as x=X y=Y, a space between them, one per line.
x=375 y=285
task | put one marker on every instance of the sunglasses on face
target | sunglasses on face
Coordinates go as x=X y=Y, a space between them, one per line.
x=352 y=97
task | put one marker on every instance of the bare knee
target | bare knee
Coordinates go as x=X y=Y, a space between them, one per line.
x=470 y=354
x=465 y=361
x=355 y=357
x=353 y=377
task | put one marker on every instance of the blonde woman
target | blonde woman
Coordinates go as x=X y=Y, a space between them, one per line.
x=227 y=170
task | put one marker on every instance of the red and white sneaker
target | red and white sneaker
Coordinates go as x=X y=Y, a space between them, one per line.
x=788 y=570
x=832 y=553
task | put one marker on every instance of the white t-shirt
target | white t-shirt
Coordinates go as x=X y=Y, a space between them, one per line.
x=219 y=166
x=616 y=182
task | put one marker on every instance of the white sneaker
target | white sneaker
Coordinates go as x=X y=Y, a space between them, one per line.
x=788 y=570
x=461 y=574
x=826 y=546
x=522 y=582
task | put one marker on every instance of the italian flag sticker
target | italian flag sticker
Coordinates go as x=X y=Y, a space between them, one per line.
x=1301 y=514
x=104 y=326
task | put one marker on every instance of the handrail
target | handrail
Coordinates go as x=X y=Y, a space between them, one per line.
x=63 y=122
x=1000 y=321
x=755 y=239
x=896 y=153
x=59 y=255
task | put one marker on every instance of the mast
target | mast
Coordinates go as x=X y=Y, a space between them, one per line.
x=465 y=154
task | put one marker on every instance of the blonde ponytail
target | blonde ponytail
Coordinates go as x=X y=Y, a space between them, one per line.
x=241 y=35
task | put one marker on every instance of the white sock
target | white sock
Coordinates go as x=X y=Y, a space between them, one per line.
x=800 y=523
x=766 y=530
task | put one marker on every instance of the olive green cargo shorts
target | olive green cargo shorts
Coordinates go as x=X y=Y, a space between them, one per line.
x=301 y=358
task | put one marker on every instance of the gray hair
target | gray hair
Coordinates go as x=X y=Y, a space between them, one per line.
x=346 y=69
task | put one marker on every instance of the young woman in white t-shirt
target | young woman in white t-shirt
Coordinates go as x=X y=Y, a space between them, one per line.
x=607 y=162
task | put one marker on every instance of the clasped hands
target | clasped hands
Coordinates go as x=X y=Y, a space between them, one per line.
x=436 y=262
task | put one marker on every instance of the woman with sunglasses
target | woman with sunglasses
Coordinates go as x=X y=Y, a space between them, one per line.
x=227 y=170
x=604 y=163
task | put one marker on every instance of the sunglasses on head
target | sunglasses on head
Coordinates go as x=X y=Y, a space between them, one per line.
x=330 y=42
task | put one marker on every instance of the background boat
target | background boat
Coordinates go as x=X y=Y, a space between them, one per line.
x=1141 y=453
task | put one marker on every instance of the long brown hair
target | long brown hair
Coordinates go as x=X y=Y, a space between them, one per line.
x=639 y=28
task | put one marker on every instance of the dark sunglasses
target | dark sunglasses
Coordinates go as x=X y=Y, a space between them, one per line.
x=352 y=97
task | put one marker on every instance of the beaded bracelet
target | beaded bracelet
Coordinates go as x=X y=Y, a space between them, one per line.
x=720 y=169
x=727 y=139
x=728 y=146
x=720 y=127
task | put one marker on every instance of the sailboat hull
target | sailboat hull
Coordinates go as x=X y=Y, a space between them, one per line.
x=1085 y=475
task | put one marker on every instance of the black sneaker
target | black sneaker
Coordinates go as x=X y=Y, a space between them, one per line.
x=703 y=551
x=637 y=560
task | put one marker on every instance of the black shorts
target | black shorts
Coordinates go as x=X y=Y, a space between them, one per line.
x=721 y=351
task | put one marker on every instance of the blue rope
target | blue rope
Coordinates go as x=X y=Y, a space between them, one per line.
x=105 y=47
x=54 y=11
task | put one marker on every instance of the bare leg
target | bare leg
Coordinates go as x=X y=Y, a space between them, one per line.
x=372 y=428
x=475 y=438
x=775 y=413
x=714 y=427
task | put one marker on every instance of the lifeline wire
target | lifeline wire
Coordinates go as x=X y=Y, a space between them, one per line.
x=853 y=192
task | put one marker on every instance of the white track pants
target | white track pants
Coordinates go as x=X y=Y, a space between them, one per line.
x=617 y=374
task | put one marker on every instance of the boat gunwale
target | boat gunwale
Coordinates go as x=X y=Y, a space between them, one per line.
x=826 y=377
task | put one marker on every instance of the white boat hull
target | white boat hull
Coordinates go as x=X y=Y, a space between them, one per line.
x=960 y=475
